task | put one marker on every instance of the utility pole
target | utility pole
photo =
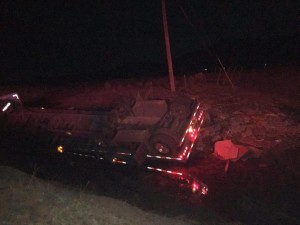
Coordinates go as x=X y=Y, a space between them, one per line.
x=168 y=49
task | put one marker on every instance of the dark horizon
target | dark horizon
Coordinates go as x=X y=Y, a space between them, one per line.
x=123 y=39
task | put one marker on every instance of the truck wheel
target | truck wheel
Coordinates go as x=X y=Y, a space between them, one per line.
x=163 y=144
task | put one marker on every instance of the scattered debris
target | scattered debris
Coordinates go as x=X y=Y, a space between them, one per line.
x=228 y=151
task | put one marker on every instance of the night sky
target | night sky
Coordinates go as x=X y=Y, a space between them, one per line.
x=44 y=39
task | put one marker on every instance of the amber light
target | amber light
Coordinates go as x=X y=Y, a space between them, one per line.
x=116 y=160
x=60 y=149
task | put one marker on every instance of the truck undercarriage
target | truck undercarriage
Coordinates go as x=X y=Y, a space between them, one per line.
x=132 y=131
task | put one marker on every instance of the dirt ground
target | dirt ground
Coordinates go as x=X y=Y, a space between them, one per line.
x=261 y=112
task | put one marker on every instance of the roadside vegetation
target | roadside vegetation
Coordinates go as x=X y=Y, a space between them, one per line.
x=25 y=199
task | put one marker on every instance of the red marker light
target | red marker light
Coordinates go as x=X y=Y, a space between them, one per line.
x=195 y=186
x=204 y=190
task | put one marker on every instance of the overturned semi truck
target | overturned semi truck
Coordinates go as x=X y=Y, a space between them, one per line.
x=132 y=131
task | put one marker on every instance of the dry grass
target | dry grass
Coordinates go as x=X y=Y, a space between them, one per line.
x=25 y=199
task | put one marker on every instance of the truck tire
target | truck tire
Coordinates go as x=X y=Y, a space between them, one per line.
x=163 y=142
